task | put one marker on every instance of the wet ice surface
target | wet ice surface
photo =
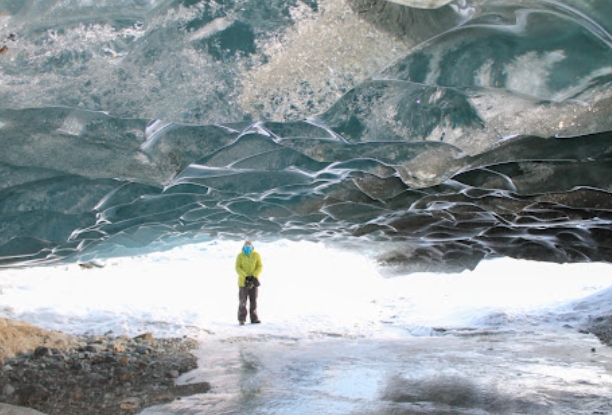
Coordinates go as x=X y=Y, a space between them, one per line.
x=513 y=372
x=339 y=338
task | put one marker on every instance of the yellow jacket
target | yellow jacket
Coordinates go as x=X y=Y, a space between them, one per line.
x=248 y=265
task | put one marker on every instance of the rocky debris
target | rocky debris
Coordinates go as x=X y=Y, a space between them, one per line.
x=99 y=375
x=91 y=265
x=601 y=327
x=18 y=337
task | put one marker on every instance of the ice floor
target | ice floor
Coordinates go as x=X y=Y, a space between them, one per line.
x=473 y=373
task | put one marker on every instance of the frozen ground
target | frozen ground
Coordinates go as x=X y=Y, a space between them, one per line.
x=338 y=338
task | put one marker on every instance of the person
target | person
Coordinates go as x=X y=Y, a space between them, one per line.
x=248 y=267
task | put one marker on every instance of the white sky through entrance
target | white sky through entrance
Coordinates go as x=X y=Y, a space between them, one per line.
x=306 y=289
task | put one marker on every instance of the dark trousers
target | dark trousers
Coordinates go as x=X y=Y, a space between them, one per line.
x=250 y=295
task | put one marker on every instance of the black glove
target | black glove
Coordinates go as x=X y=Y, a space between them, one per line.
x=251 y=281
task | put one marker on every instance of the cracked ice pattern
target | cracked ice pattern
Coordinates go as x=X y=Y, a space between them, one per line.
x=431 y=138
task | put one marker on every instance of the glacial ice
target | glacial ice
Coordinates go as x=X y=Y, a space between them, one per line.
x=434 y=138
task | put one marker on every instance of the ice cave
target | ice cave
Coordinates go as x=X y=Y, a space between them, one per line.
x=443 y=168
x=434 y=137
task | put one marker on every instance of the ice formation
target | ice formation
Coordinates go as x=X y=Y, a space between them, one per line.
x=433 y=138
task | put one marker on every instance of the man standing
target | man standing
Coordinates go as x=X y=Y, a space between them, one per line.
x=248 y=267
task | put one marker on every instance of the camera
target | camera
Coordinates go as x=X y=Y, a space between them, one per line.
x=251 y=282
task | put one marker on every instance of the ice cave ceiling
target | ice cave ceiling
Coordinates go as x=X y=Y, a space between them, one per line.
x=431 y=133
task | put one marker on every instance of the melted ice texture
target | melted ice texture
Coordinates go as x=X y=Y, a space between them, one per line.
x=430 y=139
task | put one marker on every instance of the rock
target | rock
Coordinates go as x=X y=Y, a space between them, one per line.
x=97 y=379
x=77 y=366
x=6 y=409
x=8 y=390
x=601 y=327
x=145 y=338
x=95 y=348
x=92 y=376
x=143 y=349
x=126 y=376
x=30 y=394
x=42 y=351
x=118 y=345
x=191 y=388
x=130 y=404
x=91 y=265
x=163 y=397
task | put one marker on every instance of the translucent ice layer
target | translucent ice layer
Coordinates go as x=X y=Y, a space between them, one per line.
x=431 y=138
